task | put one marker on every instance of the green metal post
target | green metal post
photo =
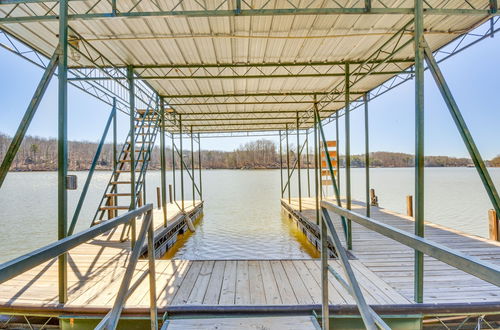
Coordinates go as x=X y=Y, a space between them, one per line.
x=337 y=137
x=192 y=165
x=367 y=157
x=115 y=152
x=288 y=164
x=316 y=179
x=162 y=162
x=419 y=147
x=462 y=128
x=199 y=166
x=348 y=154
x=298 y=165
x=308 y=165
x=28 y=116
x=62 y=147
x=131 y=90
x=173 y=166
x=281 y=165
x=182 y=162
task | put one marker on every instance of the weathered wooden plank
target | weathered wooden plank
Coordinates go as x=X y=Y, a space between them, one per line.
x=257 y=294
x=284 y=286
x=228 y=292
x=271 y=291
x=187 y=284
x=201 y=284
x=215 y=285
x=242 y=283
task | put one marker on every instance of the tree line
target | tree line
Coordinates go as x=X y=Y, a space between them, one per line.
x=40 y=154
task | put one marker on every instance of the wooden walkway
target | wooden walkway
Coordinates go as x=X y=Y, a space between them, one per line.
x=392 y=262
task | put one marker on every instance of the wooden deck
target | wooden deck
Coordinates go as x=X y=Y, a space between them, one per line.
x=392 y=262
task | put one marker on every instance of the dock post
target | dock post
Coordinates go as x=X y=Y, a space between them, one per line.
x=409 y=205
x=348 y=154
x=163 y=166
x=281 y=164
x=173 y=166
x=182 y=162
x=62 y=147
x=298 y=165
x=325 y=307
x=367 y=156
x=192 y=164
x=316 y=163
x=308 y=166
x=337 y=137
x=288 y=164
x=158 y=197
x=199 y=166
x=170 y=193
x=419 y=147
x=493 y=225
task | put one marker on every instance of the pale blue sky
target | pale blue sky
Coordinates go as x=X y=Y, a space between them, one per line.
x=472 y=76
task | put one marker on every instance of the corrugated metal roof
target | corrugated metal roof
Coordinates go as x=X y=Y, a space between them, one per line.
x=234 y=47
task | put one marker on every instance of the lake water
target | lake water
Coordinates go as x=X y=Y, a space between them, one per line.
x=242 y=210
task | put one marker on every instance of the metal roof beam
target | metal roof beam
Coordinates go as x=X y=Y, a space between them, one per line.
x=244 y=103
x=183 y=96
x=134 y=12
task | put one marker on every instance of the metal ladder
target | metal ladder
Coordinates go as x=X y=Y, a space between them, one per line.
x=117 y=195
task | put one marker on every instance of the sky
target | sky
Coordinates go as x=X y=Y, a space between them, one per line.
x=472 y=76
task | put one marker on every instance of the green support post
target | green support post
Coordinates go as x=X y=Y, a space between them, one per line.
x=131 y=90
x=199 y=166
x=115 y=152
x=192 y=165
x=173 y=167
x=367 y=157
x=348 y=153
x=28 y=116
x=162 y=162
x=62 y=148
x=316 y=179
x=288 y=164
x=281 y=165
x=462 y=128
x=308 y=165
x=419 y=147
x=182 y=162
x=298 y=165
x=337 y=137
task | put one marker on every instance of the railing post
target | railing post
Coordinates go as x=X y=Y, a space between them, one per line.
x=298 y=165
x=493 y=225
x=163 y=167
x=348 y=153
x=115 y=152
x=419 y=147
x=337 y=137
x=192 y=165
x=62 y=147
x=409 y=205
x=324 y=276
x=173 y=168
x=288 y=164
x=367 y=156
x=281 y=164
x=152 y=273
x=199 y=167
x=308 y=166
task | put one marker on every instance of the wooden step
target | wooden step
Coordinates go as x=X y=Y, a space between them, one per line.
x=109 y=208
x=118 y=194
x=128 y=151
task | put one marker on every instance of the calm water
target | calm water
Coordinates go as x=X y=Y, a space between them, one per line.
x=242 y=212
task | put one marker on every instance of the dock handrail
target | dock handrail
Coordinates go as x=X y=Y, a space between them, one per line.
x=19 y=265
x=371 y=319
x=484 y=270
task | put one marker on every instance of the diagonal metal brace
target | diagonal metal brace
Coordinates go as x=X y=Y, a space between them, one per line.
x=28 y=115
x=462 y=127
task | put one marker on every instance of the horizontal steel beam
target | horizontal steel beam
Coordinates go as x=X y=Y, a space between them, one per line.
x=248 y=12
x=17 y=266
x=484 y=270
x=245 y=103
x=284 y=94
x=217 y=113
x=243 y=76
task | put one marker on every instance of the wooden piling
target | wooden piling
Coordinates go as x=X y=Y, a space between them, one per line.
x=170 y=194
x=158 y=197
x=373 y=198
x=409 y=205
x=493 y=220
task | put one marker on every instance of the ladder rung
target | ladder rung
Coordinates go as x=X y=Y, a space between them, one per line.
x=121 y=182
x=108 y=208
x=128 y=151
x=118 y=194
x=126 y=171
x=145 y=133
x=128 y=160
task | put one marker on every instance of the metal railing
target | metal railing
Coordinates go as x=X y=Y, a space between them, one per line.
x=17 y=266
x=484 y=270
